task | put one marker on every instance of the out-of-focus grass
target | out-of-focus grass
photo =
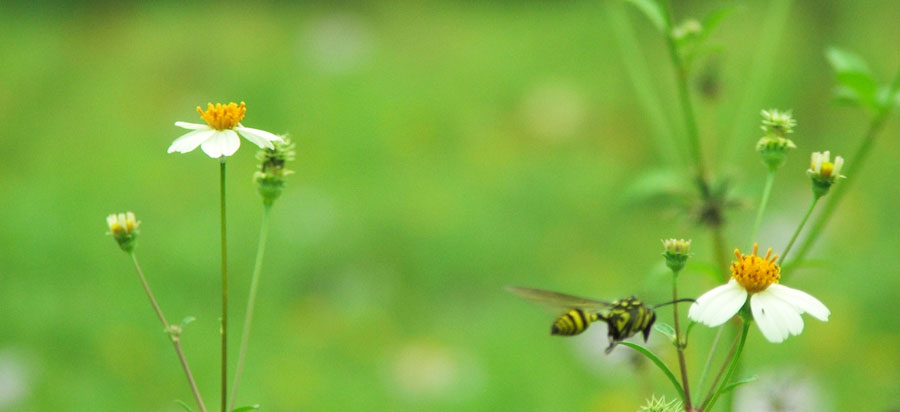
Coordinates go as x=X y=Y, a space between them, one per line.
x=444 y=151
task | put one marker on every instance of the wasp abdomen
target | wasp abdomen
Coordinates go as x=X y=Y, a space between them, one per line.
x=572 y=323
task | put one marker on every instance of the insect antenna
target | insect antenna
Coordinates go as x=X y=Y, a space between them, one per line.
x=675 y=301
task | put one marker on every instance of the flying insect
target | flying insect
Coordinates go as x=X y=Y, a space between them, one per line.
x=624 y=317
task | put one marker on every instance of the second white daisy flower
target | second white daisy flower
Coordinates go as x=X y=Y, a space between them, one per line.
x=776 y=308
x=219 y=136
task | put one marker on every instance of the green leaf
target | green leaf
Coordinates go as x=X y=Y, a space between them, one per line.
x=246 y=408
x=658 y=187
x=659 y=363
x=184 y=405
x=739 y=382
x=854 y=77
x=714 y=18
x=654 y=11
x=665 y=329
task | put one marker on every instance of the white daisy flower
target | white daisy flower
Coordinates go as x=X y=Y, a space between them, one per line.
x=821 y=168
x=776 y=308
x=219 y=136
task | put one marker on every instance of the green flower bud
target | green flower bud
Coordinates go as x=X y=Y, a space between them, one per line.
x=823 y=172
x=778 y=123
x=124 y=229
x=774 y=145
x=270 y=176
x=676 y=253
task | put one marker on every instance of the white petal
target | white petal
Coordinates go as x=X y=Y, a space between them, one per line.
x=190 y=140
x=261 y=138
x=802 y=300
x=788 y=314
x=193 y=126
x=223 y=143
x=776 y=319
x=718 y=305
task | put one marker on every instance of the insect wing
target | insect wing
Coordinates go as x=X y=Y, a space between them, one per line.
x=559 y=302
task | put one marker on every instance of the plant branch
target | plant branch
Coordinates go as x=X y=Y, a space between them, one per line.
x=224 y=284
x=176 y=340
x=251 y=302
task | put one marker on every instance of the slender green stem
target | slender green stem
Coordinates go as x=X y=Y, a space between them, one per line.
x=731 y=368
x=659 y=363
x=251 y=302
x=687 y=108
x=759 y=75
x=678 y=345
x=852 y=169
x=799 y=229
x=721 y=256
x=770 y=178
x=725 y=363
x=176 y=339
x=224 y=285
x=709 y=358
x=641 y=81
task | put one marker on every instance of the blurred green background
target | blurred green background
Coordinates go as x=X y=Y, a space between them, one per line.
x=445 y=150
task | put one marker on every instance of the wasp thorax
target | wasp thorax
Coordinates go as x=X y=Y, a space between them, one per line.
x=755 y=273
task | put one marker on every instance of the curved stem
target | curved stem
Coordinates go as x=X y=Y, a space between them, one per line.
x=731 y=368
x=680 y=348
x=709 y=358
x=659 y=363
x=852 y=170
x=799 y=229
x=251 y=302
x=770 y=178
x=642 y=82
x=174 y=337
x=224 y=284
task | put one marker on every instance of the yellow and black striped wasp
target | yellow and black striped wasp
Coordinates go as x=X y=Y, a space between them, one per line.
x=624 y=317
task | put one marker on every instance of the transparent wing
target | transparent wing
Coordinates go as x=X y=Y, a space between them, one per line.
x=559 y=302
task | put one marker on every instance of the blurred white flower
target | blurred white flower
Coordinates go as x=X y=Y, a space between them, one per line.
x=219 y=136
x=776 y=308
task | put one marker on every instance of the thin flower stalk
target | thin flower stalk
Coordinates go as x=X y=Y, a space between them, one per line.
x=251 y=302
x=731 y=368
x=173 y=335
x=770 y=179
x=682 y=364
x=224 y=284
x=852 y=169
x=799 y=229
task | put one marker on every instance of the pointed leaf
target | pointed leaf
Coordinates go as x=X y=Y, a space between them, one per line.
x=854 y=76
x=665 y=329
x=654 y=11
x=184 y=405
x=739 y=382
x=246 y=408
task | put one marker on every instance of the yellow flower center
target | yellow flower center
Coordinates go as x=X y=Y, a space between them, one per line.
x=222 y=117
x=827 y=169
x=754 y=273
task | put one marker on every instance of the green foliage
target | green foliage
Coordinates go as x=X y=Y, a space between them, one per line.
x=246 y=408
x=856 y=84
x=184 y=405
x=667 y=330
x=731 y=386
x=655 y=12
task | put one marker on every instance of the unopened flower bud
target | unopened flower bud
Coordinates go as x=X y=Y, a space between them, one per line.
x=676 y=253
x=124 y=228
x=824 y=172
x=774 y=145
x=270 y=176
